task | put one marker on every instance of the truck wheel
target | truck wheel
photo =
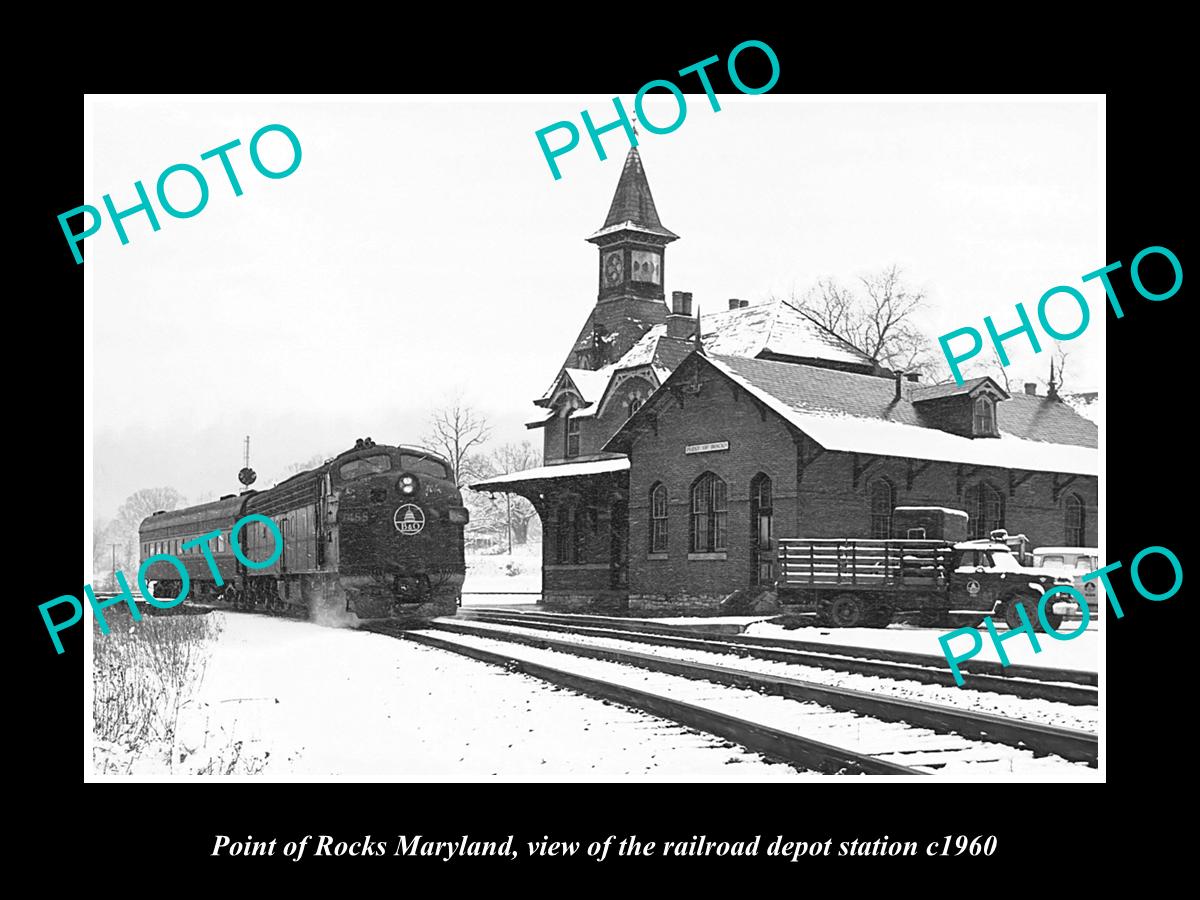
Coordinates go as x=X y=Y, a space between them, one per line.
x=845 y=611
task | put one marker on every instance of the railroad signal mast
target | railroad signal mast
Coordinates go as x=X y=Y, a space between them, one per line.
x=247 y=476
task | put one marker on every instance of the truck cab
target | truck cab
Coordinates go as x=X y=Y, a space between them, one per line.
x=989 y=580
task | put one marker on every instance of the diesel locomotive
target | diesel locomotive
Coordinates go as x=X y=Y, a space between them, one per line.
x=376 y=532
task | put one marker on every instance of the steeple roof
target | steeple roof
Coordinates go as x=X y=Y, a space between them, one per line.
x=633 y=205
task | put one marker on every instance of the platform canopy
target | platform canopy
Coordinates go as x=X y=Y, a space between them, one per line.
x=527 y=477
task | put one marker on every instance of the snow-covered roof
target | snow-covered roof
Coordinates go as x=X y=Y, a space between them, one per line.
x=858 y=413
x=591 y=383
x=541 y=418
x=774 y=328
x=920 y=393
x=1086 y=403
x=563 y=470
x=630 y=226
x=855 y=413
x=778 y=328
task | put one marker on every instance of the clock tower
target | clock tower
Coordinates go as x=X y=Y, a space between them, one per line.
x=632 y=240
x=631 y=244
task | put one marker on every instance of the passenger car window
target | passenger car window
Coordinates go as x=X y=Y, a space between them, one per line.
x=1052 y=560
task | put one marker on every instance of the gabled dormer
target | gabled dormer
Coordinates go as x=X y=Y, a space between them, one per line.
x=968 y=409
x=572 y=401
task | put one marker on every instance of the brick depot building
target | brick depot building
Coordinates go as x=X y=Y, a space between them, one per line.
x=679 y=450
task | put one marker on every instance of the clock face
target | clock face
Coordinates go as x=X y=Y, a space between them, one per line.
x=613 y=268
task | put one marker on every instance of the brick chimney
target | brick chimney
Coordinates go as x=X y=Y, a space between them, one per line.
x=1031 y=388
x=899 y=387
x=680 y=323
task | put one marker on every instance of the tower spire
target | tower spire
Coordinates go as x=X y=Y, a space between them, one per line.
x=631 y=258
x=632 y=203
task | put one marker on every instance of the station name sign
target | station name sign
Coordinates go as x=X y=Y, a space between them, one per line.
x=706 y=448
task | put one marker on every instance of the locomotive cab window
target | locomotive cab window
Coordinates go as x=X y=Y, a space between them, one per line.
x=422 y=465
x=368 y=465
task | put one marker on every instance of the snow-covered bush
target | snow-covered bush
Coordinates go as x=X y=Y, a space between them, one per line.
x=144 y=674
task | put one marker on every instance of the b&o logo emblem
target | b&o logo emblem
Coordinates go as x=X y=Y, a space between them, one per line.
x=409 y=519
x=972 y=585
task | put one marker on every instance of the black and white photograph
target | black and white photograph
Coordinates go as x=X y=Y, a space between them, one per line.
x=762 y=450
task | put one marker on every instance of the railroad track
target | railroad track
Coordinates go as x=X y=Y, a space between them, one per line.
x=933 y=735
x=1029 y=682
x=925 y=737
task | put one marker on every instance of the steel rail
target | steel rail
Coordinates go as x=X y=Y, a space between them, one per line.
x=1079 y=695
x=1043 y=740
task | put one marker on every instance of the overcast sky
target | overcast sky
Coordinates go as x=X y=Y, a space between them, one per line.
x=422 y=247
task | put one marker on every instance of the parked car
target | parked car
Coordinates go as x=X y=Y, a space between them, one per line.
x=1073 y=562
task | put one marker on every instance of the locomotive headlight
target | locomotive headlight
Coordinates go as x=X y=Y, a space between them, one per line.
x=408 y=484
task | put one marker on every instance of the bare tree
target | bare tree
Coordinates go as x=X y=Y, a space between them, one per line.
x=999 y=371
x=458 y=432
x=878 y=321
x=312 y=463
x=518 y=512
x=938 y=371
x=123 y=530
x=1049 y=373
x=105 y=543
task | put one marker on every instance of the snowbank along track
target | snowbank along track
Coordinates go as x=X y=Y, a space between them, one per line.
x=1031 y=682
x=969 y=726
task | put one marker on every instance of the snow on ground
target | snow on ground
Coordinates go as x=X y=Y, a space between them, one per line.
x=1082 y=652
x=702 y=620
x=314 y=701
x=895 y=742
x=1047 y=712
x=490 y=573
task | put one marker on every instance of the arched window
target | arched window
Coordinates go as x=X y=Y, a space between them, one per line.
x=710 y=507
x=579 y=549
x=658 y=519
x=1076 y=521
x=883 y=501
x=562 y=536
x=635 y=403
x=762 y=529
x=985 y=509
x=985 y=416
